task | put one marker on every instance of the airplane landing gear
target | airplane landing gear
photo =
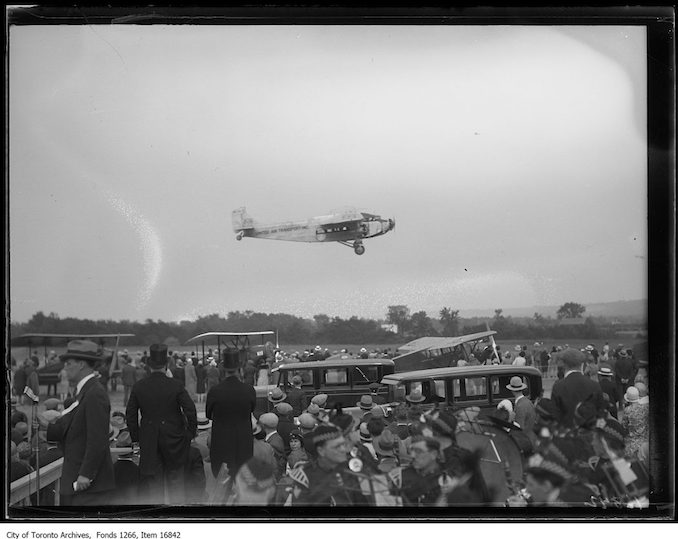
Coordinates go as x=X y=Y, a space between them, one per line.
x=358 y=248
x=239 y=235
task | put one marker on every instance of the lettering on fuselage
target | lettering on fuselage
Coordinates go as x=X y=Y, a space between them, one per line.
x=290 y=228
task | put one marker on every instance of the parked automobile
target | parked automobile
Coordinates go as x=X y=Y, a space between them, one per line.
x=343 y=380
x=483 y=385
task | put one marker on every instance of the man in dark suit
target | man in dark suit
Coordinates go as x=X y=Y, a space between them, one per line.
x=573 y=388
x=82 y=431
x=169 y=422
x=230 y=405
x=523 y=408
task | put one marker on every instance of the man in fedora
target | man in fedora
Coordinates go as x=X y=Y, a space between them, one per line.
x=168 y=424
x=82 y=431
x=276 y=396
x=523 y=408
x=573 y=388
x=230 y=405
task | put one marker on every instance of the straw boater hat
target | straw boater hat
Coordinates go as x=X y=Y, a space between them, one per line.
x=516 y=384
x=83 y=350
x=605 y=371
x=365 y=402
x=203 y=422
x=277 y=395
x=415 y=396
x=518 y=348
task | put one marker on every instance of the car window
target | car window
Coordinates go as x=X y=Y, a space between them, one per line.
x=362 y=375
x=305 y=374
x=335 y=377
x=439 y=386
x=476 y=388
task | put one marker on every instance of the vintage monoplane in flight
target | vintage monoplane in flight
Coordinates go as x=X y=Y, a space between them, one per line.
x=347 y=226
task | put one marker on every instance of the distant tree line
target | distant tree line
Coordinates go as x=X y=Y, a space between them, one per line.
x=324 y=329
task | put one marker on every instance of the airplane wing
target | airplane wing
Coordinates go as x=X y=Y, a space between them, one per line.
x=217 y=334
x=428 y=343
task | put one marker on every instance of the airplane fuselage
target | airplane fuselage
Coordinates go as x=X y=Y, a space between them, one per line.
x=345 y=227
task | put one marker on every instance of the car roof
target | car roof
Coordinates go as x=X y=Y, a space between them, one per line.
x=461 y=371
x=334 y=363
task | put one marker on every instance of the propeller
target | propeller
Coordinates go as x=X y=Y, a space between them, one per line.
x=391 y=223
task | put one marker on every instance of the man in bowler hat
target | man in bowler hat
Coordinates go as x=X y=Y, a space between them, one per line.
x=82 y=431
x=168 y=424
x=230 y=405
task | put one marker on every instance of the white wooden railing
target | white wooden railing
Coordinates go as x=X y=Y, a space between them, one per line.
x=23 y=488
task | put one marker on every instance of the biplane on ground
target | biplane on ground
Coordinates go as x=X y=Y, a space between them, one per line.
x=434 y=352
x=240 y=341
x=348 y=227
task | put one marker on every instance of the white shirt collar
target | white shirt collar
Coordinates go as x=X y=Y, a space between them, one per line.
x=519 y=397
x=570 y=372
x=270 y=434
x=82 y=382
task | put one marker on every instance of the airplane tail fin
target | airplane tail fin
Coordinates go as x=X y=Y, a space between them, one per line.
x=240 y=220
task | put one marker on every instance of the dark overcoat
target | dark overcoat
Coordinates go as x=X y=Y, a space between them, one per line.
x=230 y=405
x=570 y=391
x=83 y=437
x=168 y=422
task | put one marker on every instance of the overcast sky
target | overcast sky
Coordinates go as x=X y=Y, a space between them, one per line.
x=513 y=160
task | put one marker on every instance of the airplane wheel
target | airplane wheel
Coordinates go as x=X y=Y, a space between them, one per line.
x=239 y=236
x=359 y=249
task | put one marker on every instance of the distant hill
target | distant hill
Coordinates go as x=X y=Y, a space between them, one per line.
x=631 y=309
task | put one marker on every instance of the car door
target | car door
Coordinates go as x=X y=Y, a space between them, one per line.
x=335 y=382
